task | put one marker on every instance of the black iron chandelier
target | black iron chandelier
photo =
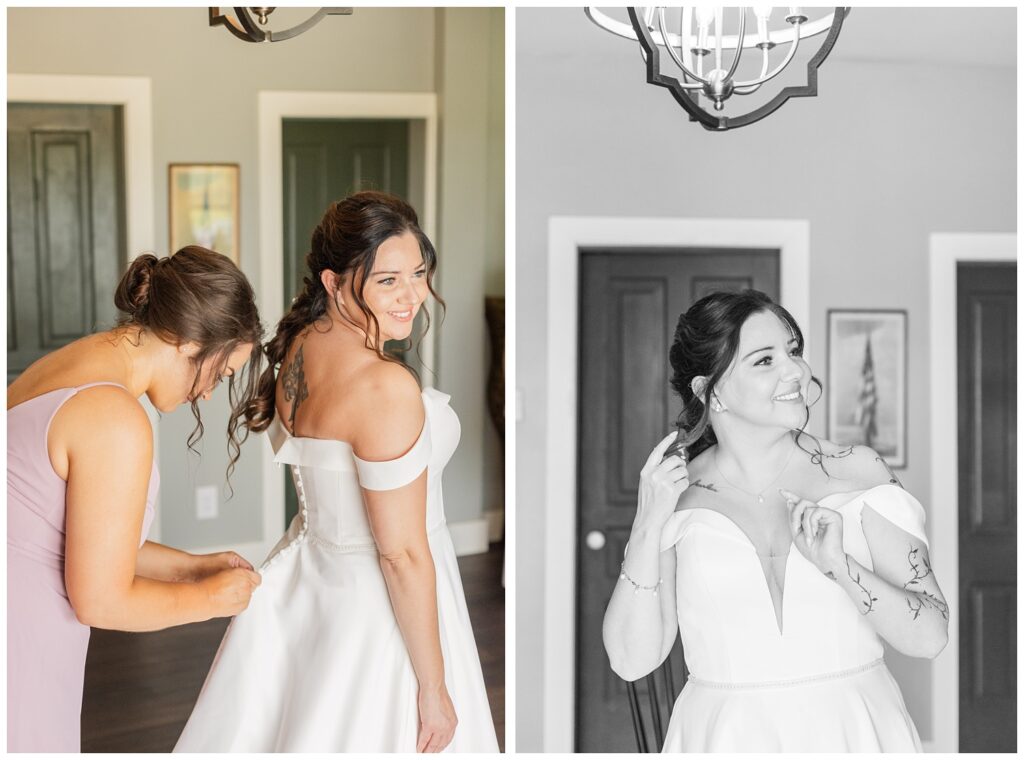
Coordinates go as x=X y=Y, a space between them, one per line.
x=676 y=43
x=249 y=24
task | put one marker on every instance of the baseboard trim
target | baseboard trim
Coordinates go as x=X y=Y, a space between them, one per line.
x=470 y=536
x=495 y=525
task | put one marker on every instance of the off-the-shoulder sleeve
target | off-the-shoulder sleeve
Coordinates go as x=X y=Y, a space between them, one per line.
x=898 y=507
x=674 y=528
x=395 y=473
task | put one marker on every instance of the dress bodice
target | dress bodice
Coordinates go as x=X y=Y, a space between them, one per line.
x=329 y=477
x=726 y=615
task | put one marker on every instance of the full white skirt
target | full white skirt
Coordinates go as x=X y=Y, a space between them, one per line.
x=862 y=711
x=317 y=662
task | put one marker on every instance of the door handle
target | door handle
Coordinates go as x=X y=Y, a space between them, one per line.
x=595 y=540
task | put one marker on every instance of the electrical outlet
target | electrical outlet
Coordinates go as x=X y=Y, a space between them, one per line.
x=206 y=502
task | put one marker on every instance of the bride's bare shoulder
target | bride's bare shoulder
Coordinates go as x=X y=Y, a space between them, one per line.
x=861 y=465
x=387 y=411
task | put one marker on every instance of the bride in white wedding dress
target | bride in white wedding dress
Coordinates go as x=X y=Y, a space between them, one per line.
x=780 y=559
x=358 y=638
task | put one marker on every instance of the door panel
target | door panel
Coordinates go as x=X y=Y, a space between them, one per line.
x=325 y=160
x=629 y=304
x=65 y=226
x=987 y=411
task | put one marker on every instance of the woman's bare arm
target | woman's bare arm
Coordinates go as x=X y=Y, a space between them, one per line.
x=639 y=625
x=901 y=597
x=397 y=518
x=109 y=467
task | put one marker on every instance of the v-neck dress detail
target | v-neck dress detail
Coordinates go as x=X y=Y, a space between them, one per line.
x=815 y=683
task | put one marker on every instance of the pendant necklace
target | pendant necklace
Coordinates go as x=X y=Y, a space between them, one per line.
x=759 y=495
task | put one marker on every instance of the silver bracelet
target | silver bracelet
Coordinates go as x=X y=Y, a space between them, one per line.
x=637 y=588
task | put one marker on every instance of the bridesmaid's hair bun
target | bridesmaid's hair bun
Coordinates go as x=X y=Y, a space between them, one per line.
x=132 y=295
x=201 y=297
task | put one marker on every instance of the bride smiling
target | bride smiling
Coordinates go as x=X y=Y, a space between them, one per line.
x=359 y=638
x=782 y=560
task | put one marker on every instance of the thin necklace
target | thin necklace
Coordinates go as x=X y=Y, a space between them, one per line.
x=759 y=495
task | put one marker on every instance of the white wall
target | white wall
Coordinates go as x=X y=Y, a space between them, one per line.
x=886 y=154
x=204 y=91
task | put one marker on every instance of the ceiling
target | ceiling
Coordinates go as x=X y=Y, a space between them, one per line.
x=930 y=35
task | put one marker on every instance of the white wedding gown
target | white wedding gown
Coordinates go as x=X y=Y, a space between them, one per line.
x=817 y=685
x=317 y=662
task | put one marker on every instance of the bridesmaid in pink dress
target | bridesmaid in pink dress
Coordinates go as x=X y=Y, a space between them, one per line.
x=81 y=483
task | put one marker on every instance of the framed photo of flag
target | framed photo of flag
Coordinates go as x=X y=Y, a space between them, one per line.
x=866 y=384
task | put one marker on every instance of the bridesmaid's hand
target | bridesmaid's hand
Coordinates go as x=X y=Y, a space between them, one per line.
x=437 y=720
x=205 y=565
x=229 y=591
x=817 y=533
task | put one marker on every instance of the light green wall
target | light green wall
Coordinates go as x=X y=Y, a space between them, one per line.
x=204 y=95
x=887 y=154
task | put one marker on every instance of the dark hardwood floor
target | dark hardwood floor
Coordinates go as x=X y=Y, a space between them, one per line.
x=140 y=687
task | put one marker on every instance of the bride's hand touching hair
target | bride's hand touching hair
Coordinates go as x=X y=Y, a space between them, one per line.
x=662 y=481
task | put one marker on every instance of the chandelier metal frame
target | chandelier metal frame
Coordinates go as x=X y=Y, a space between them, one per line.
x=722 y=87
x=246 y=28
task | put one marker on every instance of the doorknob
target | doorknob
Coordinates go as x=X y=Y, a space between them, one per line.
x=595 y=540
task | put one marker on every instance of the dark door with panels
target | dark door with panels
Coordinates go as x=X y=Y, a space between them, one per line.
x=630 y=301
x=987 y=411
x=325 y=160
x=65 y=226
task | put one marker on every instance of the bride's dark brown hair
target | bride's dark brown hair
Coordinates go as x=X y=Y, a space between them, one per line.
x=345 y=242
x=705 y=344
x=201 y=297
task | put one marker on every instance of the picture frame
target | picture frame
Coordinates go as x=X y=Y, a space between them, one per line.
x=866 y=384
x=203 y=207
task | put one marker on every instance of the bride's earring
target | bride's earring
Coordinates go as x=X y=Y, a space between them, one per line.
x=716 y=404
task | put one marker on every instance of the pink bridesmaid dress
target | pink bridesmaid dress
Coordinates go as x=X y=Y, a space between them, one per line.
x=46 y=645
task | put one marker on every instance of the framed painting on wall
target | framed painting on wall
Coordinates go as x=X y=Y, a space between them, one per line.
x=867 y=381
x=203 y=201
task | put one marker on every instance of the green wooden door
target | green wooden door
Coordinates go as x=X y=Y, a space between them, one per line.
x=65 y=225
x=325 y=160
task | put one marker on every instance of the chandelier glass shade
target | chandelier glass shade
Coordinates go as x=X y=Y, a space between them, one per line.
x=715 y=55
x=250 y=24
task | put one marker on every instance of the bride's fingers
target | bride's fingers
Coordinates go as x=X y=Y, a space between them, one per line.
x=422 y=740
x=678 y=473
x=806 y=521
x=670 y=463
x=659 y=452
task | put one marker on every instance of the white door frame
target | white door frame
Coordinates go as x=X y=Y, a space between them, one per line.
x=274 y=107
x=133 y=95
x=565 y=237
x=945 y=250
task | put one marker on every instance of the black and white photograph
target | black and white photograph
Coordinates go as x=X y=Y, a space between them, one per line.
x=766 y=379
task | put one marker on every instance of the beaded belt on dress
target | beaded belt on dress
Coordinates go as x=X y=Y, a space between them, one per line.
x=788 y=682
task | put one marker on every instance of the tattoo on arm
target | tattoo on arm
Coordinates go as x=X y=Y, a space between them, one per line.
x=892 y=475
x=921 y=568
x=706 y=486
x=869 y=601
x=295 y=388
